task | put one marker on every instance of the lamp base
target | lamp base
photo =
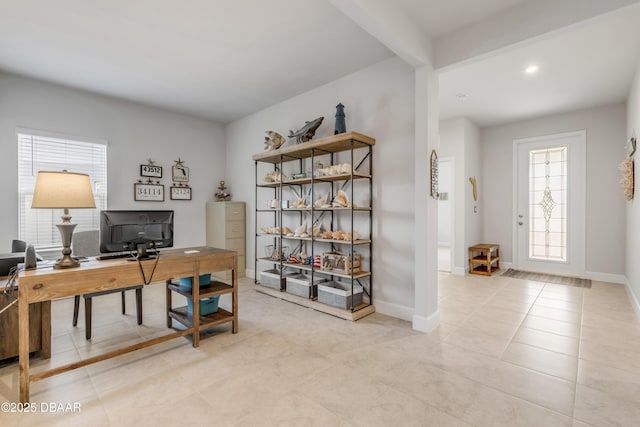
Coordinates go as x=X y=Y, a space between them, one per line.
x=66 y=233
x=66 y=262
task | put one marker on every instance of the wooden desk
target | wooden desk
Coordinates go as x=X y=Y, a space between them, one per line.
x=44 y=285
x=40 y=326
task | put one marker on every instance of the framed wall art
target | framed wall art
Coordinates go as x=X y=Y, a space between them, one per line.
x=180 y=193
x=148 y=192
x=179 y=172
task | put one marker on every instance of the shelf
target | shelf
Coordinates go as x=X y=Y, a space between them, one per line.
x=317 y=239
x=363 y=209
x=206 y=291
x=324 y=178
x=330 y=144
x=358 y=313
x=294 y=155
x=482 y=269
x=181 y=315
x=358 y=209
x=483 y=260
x=305 y=267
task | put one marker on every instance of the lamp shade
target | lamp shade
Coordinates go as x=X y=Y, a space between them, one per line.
x=62 y=190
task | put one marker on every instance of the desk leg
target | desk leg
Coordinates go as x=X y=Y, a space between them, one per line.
x=234 y=296
x=46 y=329
x=169 y=304
x=23 y=347
x=195 y=292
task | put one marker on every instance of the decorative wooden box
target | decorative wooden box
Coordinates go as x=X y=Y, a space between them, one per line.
x=345 y=264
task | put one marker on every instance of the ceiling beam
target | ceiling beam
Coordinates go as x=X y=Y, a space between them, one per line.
x=529 y=20
x=391 y=26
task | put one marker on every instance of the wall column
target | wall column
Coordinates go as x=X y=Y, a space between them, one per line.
x=426 y=316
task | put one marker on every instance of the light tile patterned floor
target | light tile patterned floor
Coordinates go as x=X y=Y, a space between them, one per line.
x=508 y=352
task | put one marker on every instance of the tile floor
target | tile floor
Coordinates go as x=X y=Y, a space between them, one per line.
x=508 y=352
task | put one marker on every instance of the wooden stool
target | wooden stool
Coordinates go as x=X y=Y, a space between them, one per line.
x=485 y=258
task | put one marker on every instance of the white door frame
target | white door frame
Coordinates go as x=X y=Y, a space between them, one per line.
x=576 y=251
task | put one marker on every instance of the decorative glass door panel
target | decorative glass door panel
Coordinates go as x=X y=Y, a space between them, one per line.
x=548 y=204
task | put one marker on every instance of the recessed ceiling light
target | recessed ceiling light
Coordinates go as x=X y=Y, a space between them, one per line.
x=462 y=96
x=531 y=69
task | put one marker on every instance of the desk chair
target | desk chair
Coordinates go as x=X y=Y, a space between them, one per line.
x=87 y=244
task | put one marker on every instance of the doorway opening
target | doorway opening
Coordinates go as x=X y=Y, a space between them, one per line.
x=446 y=215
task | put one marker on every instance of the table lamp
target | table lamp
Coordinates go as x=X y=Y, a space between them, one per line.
x=63 y=190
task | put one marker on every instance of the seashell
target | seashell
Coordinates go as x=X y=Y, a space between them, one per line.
x=300 y=203
x=338 y=235
x=321 y=201
x=341 y=200
x=303 y=255
x=304 y=235
x=290 y=235
x=316 y=230
x=326 y=235
x=286 y=230
x=347 y=236
x=300 y=230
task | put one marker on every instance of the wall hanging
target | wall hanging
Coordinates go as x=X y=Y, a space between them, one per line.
x=149 y=190
x=434 y=174
x=151 y=170
x=626 y=181
x=180 y=189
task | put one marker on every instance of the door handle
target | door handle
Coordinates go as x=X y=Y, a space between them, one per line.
x=520 y=216
x=520 y=223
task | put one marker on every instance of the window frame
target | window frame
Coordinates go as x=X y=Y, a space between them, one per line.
x=94 y=163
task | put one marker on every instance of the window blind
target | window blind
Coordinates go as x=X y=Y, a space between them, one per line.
x=42 y=152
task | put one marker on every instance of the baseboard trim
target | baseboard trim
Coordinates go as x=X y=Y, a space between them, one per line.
x=394 y=310
x=632 y=297
x=505 y=265
x=426 y=324
x=606 y=277
x=250 y=273
x=459 y=271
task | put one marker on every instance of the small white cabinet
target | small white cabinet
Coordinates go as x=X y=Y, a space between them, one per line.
x=226 y=229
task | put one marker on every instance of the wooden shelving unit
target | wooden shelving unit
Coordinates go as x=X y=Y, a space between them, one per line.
x=358 y=148
x=482 y=258
x=182 y=315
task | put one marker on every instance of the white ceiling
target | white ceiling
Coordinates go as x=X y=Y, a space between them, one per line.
x=225 y=59
x=439 y=17
x=590 y=65
x=220 y=59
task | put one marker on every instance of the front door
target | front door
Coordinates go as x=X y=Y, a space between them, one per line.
x=549 y=207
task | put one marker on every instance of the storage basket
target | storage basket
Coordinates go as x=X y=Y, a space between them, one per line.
x=271 y=278
x=300 y=285
x=207 y=305
x=338 y=294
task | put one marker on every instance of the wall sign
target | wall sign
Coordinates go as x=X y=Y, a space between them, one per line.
x=151 y=171
x=148 y=192
x=180 y=193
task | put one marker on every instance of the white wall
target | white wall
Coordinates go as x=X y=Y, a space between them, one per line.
x=379 y=102
x=472 y=209
x=459 y=139
x=134 y=132
x=605 y=215
x=632 y=266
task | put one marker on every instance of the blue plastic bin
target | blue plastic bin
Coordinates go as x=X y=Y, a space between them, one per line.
x=207 y=306
x=186 y=283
